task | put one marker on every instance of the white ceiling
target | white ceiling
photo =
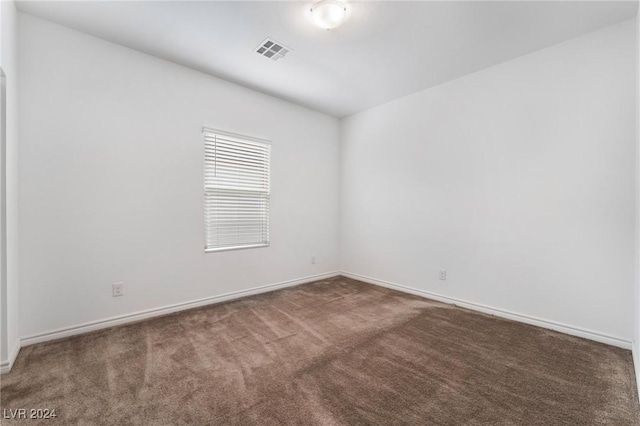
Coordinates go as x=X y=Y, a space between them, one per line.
x=383 y=51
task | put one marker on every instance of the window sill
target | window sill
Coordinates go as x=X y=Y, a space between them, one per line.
x=217 y=249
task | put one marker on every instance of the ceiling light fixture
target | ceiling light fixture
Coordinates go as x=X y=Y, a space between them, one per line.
x=328 y=14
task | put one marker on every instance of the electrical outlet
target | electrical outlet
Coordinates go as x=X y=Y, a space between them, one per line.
x=118 y=289
x=313 y=260
x=443 y=274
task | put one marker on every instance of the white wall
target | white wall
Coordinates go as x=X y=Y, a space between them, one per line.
x=519 y=180
x=9 y=335
x=111 y=181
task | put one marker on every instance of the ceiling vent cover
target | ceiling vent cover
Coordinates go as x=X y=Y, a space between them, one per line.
x=272 y=49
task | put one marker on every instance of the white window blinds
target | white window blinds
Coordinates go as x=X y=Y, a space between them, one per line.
x=236 y=191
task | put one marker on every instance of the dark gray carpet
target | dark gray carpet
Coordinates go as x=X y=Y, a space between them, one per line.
x=333 y=352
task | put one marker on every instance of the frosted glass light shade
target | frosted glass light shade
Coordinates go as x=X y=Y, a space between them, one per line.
x=328 y=14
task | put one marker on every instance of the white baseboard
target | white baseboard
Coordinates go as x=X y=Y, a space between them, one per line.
x=636 y=364
x=6 y=366
x=552 y=325
x=60 y=333
x=150 y=313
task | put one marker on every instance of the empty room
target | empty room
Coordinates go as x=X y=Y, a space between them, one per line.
x=335 y=212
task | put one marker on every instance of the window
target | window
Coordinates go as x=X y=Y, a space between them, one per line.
x=236 y=191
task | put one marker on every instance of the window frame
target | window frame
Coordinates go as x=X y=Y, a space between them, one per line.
x=252 y=139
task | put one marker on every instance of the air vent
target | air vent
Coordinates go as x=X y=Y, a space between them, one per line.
x=272 y=49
